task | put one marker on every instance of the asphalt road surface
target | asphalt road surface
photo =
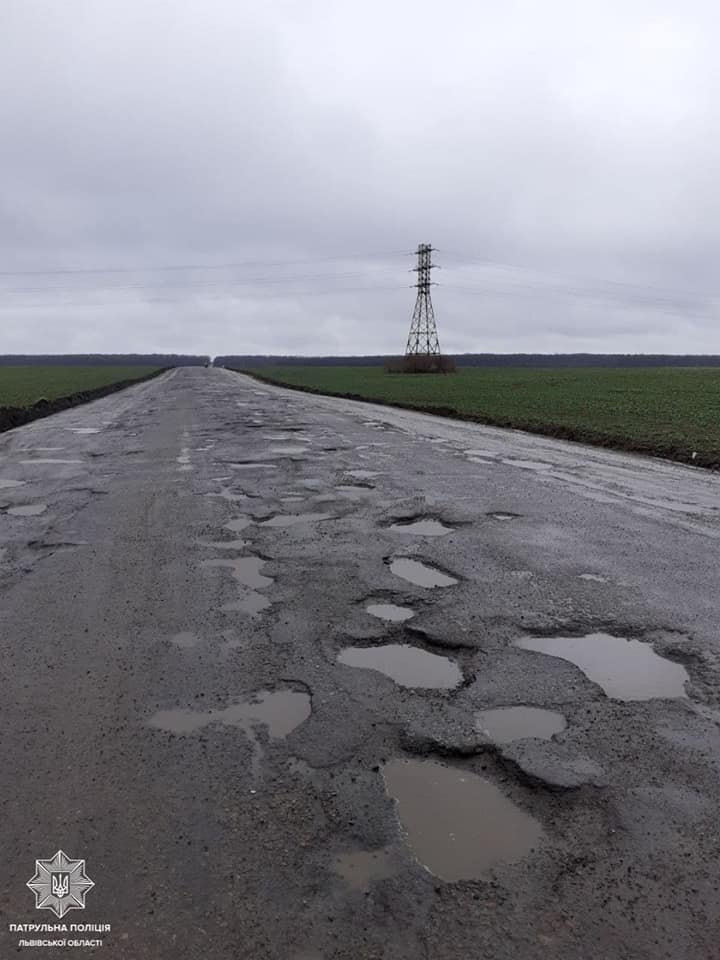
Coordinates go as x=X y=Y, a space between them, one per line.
x=197 y=701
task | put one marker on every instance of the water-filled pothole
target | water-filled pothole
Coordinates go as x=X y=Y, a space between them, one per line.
x=47 y=460
x=238 y=523
x=424 y=528
x=390 y=611
x=246 y=570
x=83 y=430
x=290 y=519
x=279 y=710
x=4 y=483
x=457 y=824
x=500 y=515
x=358 y=868
x=252 y=603
x=288 y=449
x=420 y=574
x=185 y=640
x=406 y=665
x=28 y=510
x=505 y=724
x=625 y=669
x=362 y=474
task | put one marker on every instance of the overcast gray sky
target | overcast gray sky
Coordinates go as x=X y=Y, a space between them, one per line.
x=562 y=156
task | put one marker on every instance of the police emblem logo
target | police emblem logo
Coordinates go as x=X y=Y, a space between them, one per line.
x=60 y=884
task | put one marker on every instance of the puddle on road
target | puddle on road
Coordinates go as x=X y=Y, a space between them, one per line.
x=593 y=576
x=390 y=611
x=48 y=460
x=279 y=710
x=28 y=510
x=362 y=474
x=290 y=519
x=288 y=449
x=252 y=603
x=406 y=665
x=292 y=499
x=83 y=430
x=420 y=574
x=499 y=515
x=356 y=491
x=238 y=523
x=4 y=484
x=246 y=570
x=424 y=528
x=253 y=466
x=505 y=724
x=457 y=824
x=625 y=669
x=358 y=868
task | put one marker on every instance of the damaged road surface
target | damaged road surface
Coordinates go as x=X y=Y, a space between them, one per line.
x=307 y=679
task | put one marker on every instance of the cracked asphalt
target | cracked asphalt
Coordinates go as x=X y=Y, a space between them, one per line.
x=190 y=558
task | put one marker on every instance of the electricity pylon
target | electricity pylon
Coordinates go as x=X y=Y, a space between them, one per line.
x=423 y=337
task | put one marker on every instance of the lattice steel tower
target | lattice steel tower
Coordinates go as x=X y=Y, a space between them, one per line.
x=423 y=337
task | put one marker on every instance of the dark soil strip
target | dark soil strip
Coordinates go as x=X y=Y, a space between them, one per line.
x=580 y=435
x=11 y=417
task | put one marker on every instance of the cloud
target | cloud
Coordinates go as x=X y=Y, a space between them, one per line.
x=562 y=158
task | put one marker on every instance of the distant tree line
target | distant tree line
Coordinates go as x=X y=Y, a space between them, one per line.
x=103 y=359
x=549 y=360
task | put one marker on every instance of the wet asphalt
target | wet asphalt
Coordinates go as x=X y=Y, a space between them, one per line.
x=181 y=566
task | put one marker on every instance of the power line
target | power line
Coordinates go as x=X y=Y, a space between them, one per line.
x=197 y=266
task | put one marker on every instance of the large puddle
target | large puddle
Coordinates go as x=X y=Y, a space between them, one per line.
x=457 y=824
x=424 y=528
x=505 y=724
x=420 y=574
x=406 y=665
x=246 y=571
x=389 y=611
x=625 y=669
x=252 y=603
x=238 y=524
x=278 y=710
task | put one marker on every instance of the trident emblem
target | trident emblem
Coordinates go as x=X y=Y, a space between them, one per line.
x=60 y=884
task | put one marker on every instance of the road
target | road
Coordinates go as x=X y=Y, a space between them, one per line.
x=198 y=703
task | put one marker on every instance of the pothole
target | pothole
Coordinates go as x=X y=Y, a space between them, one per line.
x=5 y=483
x=390 y=611
x=457 y=824
x=238 y=523
x=281 y=711
x=290 y=519
x=406 y=665
x=594 y=577
x=358 y=868
x=253 y=466
x=505 y=724
x=252 y=603
x=289 y=449
x=28 y=510
x=246 y=570
x=501 y=515
x=625 y=669
x=83 y=430
x=424 y=528
x=420 y=573
x=362 y=474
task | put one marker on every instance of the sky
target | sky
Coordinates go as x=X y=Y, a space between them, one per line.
x=229 y=177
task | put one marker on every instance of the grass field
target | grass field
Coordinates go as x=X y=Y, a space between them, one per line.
x=23 y=386
x=666 y=411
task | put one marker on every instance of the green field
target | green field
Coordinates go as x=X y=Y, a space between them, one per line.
x=666 y=411
x=23 y=386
